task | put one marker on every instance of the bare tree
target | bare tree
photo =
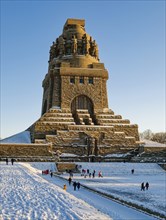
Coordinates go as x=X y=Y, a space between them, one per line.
x=159 y=137
x=147 y=134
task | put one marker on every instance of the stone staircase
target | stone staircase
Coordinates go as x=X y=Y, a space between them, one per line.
x=82 y=117
x=69 y=133
x=108 y=118
x=51 y=121
x=123 y=130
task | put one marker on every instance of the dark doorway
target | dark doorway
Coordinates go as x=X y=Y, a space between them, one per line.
x=82 y=102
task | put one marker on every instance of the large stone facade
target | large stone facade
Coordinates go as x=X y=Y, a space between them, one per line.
x=75 y=115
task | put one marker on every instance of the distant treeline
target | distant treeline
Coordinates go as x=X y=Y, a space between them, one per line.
x=159 y=137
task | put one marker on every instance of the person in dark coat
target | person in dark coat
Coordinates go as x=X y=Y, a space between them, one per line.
x=132 y=171
x=93 y=174
x=75 y=185
x=51 y=174
x=12 y=161
x=142 y=186
x=147 y=185
x=69 y=180
x=78 y=185
x=6 y=161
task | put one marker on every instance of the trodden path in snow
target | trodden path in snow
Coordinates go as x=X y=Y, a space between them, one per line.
x=25 y=195
x=115 y=210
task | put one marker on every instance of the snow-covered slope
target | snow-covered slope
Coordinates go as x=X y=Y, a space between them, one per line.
x=149 y=143
x=27 y=195
x=22 y=137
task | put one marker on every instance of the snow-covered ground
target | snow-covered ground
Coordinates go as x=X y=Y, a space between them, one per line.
x=118 y=181
x=26 y=194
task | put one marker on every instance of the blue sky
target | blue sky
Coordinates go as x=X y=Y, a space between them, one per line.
x=131 y=40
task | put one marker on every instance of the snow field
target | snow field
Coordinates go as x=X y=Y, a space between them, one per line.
x=26 y=194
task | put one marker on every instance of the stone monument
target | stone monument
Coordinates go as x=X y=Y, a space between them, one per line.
x=75 y=116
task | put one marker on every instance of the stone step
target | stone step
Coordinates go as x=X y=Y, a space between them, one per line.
x=55 y=123
x=105 y=116
x=40 y=141
x=88 y=121
x=107 y=111
x=80 y=121
x=53 y=119
x=55 y=110
x=114 y=122
x=82 y=111
x=62 y=132
x=81 y=115
x=91 y=128
x=115 y=135
x=63 y=115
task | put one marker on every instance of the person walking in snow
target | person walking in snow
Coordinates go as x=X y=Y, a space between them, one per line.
x=100 y=174
x=78 y=185
x=6 y=161
x=51 y=174
x=147 y=185
x=75 y=185
x=65 y=187
x=93 y=174
x=142 y=186
x=132 y=171
x=71 y=173
x=12 y=161
x=69 y=180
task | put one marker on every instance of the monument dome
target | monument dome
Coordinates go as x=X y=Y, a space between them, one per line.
x=74 y=45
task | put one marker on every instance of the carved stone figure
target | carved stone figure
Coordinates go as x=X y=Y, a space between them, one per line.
x=74 y=45
x=85 y=44
x=94 y=49
x=57 y=49
x=90 y=47
x=96 y=54
x=61 y=45
x=52 y=51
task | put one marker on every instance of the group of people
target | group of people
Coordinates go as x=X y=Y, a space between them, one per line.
x=144 y=186
x=86 y=173
x=76 y=185
x=7 y=161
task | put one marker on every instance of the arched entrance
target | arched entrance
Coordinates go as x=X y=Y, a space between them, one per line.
x=82 y=102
